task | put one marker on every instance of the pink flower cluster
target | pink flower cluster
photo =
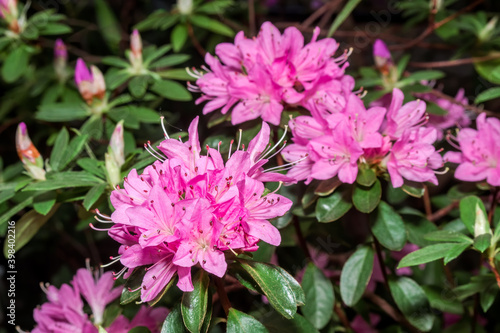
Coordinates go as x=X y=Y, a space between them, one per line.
x=479 y=158
x=64 y=311
x=191 y=209
x=258 y=77
x=335 y=142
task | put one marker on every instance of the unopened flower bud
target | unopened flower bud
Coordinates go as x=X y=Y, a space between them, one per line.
x=481 y=225
x=9 y=12
x=60 y=59
x=115 y=157
x=135 y=53
x=185 y=6
x=90 y=83
x=382 y=56
x=29 y=155
x=98 y=84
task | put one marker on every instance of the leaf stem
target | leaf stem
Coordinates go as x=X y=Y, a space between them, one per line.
x=224 y=300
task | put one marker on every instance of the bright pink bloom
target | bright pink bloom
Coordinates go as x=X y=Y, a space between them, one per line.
x=260 y=76
x=402 y=117
x=97 y=291
x=60 y=51
x=414 y=158
x=480 y=156
x=191 y=208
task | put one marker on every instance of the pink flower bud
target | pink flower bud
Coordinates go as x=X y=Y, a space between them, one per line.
x=98 y=84
x=90 y=83
x=8 y=9
x=29 y=155
x=60 y=51
x=136 y=44
x=116 y=145
x=382 y=56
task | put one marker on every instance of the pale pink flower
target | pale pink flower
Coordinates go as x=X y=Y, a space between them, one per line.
x=90 y=83
x=479 y=158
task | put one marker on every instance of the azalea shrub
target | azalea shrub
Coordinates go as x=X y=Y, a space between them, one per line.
x=261 y=166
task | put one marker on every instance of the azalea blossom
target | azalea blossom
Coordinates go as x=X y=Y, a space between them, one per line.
x=192 y=209
x=64 y=310
x=479 y=158
x=260 y=77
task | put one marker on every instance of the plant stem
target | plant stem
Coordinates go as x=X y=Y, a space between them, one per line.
x=195 y=41
x=427 y=202
x=493 y=205
x=224 y=300
x=343 y=318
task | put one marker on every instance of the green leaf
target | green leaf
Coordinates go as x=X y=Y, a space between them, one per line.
x=300 y=297
x=487 y=95
x=412 y=301
x=439 y=300
x=341 y=17
x=139 y=329
x=334 y=206
x=59 y=148
x=487 y=70
x=64 y=180
x=155 y=53
x=171 y=60
x=176 y=74
x=194 y=304
x=270 y=281
x=426 y=254
x=74 y=148
x=44 y=202
x=56 y=29
x=487 y=297
x=27 y=227
x=455 y=251
x=356 y=275
x=174 y=322
x=389 y=228
x=482 y=242
x=61 y=112
x=326 y=187
x=93 y=195
x=470 y=208
x=448 y=236
x=171 y=90
x=134 y=282
x=16 y=209
x=178 y=37
x=366 y=199
x=115 y=62
x=90 y=165
x=15 y=64
x=108 y=24
x=366 y=176
x=138 y=113
x=138 y=85
x=211 y=25
x=424 y=75
x=239 y=322
x=320 y=297
x=277 y=324
x=115 y=78
x=414 y=190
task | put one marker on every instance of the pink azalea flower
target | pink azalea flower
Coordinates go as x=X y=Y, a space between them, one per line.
x=480 y=152
x=190 y=208
x=414 y=158
x=259 y=77
x=456 y=114
x=97 y=291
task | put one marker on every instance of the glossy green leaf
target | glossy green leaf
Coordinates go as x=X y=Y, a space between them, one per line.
x=92 y=166
x=174 y=322
x=15 y=64
x=487 y=297
x=334 y=206
x=194 y=304
x=455 y=251
x=59 y=148
x=366 y=176
x=426 y=254
x=487 y=70
x=389 y=228
x=278 y=324
x=211 y=25
x=443 y=300
x=61 y=112
x=300 y=297
x=448 y=236
x=270 y=281
x=366 y=199
x=74 y=149
x=171 y=90
x=356 y=274
x=342 y=16
x=412 y=301
x=171 y=60
x=487 y=95
x=320 y=297
x=239 y=322
x=56 y=29
x=178 y=37
x=138 y=85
